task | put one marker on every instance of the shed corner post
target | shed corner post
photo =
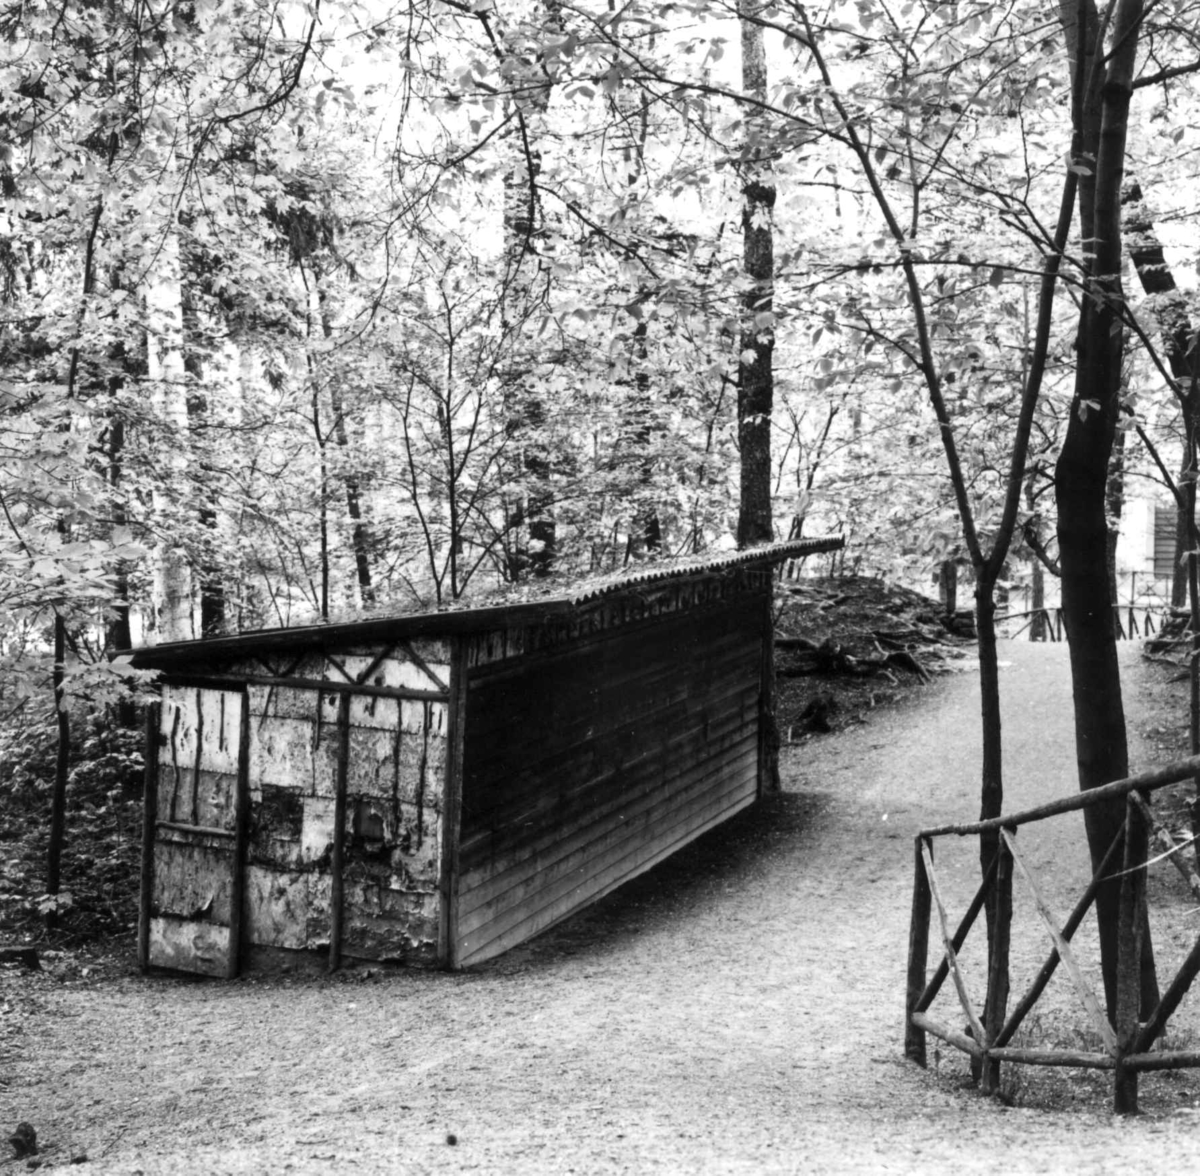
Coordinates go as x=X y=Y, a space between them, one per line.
x=456 y=719
x=338 y=857
x=237 y=896
x=768 y=733
x=149 y=822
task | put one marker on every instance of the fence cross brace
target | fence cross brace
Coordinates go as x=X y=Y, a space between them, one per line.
x=1086 y=993
x=977 y=1029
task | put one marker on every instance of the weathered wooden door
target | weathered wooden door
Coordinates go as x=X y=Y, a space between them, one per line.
x=197 y=810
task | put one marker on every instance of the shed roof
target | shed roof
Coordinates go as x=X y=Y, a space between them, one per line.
x=525 y=609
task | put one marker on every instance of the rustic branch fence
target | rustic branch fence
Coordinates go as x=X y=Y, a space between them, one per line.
x=1127 y=1044
x=1126 y=621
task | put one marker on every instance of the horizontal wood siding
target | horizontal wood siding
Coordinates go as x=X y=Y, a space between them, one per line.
x=588 y=765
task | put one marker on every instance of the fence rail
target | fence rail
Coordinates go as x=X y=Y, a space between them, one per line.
x=991 y=1027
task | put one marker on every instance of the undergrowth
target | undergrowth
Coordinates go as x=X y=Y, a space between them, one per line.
x=98 y=896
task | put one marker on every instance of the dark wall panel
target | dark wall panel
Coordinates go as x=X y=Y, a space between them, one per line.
x=592 y=764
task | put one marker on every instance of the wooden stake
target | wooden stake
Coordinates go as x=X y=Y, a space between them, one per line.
x=997 y=992
x=337 y=862
x=241 y=843
x=1130 y=920
x=149 y=820
x=918 y=955
x=456 y=723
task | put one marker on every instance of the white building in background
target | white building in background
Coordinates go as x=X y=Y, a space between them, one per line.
x=1146 y=550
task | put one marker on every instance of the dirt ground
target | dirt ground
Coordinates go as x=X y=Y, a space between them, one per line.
x=739 y=1010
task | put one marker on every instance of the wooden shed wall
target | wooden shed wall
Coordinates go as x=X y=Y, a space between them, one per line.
x=584 y=766
x=289 y=757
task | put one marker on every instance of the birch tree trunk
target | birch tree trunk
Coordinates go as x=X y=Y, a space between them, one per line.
x=533 y=527
x=172 y=582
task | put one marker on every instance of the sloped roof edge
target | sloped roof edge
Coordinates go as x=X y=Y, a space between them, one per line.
x=473 y=618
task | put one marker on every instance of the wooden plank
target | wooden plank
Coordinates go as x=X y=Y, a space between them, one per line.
x=535 y=817
x=588 y=778
x=149 y=818
x=189 y=946
x=610 y=667
x=452 y=794
x=237 y=894
x=1069 y=928
x=531 y=847
x=576 y=888
x=948 y=943
x=338 y=856
x=195 y=831
x=580 y=709
x=707 y=617
x=557 y=785
x=510 y=887
x=234 y=682
x=616 y=875
x=1063 y=947
x=918 y=957
x=493 y=772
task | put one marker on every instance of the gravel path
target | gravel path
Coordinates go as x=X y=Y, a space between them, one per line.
x=740 y=1010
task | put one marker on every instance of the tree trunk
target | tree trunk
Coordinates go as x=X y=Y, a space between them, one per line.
x=525 y=409
x=58 y=797
x=948 y=585
x=756 y=377
x=1081 y=475
x=1114 y=506
x=164 y=366
x=1037 y=623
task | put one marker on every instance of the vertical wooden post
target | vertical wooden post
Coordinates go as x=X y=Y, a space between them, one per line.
x=241 y=839
x=996 y=1006
x=918 y=957
x=1130 y=921
x=456 y=721
x=337 y=862
x=149 y=824
x=768 y=731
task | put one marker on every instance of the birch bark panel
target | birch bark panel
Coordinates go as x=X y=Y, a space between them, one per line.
x=599 y=762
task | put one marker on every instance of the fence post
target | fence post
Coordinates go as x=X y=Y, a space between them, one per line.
x=1130 y=921
x=918 y=956
x=996 y=1007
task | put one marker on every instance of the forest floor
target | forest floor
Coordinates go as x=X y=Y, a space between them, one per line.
x=739 y=1009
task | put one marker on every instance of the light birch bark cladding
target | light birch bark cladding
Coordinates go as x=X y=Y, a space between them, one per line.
x=595 y=763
